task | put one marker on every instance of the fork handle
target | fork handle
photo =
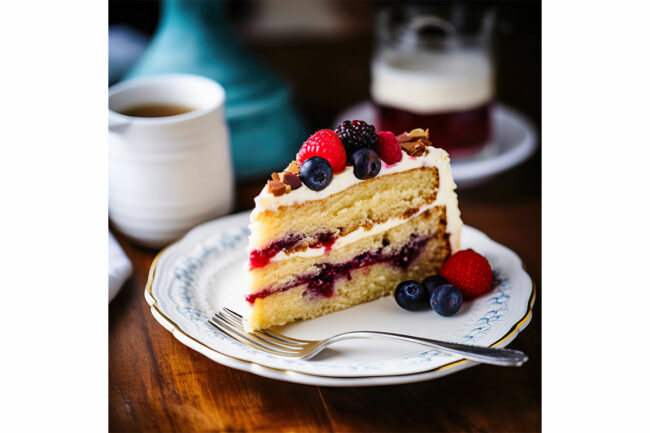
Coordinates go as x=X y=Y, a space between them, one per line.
x=486 y=355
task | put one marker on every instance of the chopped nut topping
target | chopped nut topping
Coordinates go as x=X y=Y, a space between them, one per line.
x=414 y=148
x=414 y=142
x=404 y=136
x=277 y=188
x=291 y=179
x=285 y=182
x=294 y=168
x=415 y=133
x=419 y=133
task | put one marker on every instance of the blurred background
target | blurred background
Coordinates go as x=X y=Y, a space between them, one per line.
x=313 y=60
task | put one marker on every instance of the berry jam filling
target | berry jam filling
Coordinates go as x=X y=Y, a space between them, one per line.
x=261 y=258
x=321 y=285
x=325 y=239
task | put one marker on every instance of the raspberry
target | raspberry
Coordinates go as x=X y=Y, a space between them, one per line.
x=388 y=147
x=469 y=271
x=326 y=144
x=356 y=134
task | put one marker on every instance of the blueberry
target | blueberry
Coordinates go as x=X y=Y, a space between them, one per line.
x=411 y=295
x=366 y=163
x=446 y=299
x=432 y=282
x=316 y=173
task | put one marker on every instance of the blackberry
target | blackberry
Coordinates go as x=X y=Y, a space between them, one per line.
x=356 y=134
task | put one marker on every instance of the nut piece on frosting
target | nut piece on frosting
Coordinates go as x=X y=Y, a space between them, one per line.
x=414 y=142
x=413 y=134
x=293 y=180
x=285 y=182
x=277 y=188
x=414 y=148
x=294 y=168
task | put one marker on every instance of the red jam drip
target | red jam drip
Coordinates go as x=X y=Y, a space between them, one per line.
x=321 y=285
x=262 y=257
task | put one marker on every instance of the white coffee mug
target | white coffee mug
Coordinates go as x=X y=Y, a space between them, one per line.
x=168 y=174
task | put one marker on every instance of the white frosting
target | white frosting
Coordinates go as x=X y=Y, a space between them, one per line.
x=428 y=83
x=446 y=196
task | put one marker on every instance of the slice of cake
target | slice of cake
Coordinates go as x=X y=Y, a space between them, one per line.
x=355 y=215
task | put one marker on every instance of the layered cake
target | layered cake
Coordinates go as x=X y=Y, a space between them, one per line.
x=358 y=212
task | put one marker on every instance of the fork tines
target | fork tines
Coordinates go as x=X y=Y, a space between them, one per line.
x=231 y=324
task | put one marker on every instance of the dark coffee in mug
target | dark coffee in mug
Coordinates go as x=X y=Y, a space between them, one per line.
x=155 y=110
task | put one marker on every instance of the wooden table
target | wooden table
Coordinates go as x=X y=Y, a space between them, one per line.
x=158 y=384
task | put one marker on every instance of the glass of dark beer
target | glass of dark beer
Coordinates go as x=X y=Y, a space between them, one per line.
x=433 y=69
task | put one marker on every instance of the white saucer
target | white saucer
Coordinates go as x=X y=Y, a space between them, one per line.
x=203 y=272
x=514 y=140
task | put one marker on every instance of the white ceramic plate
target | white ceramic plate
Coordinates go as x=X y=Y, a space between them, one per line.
x=193 y=278
x=514 y=140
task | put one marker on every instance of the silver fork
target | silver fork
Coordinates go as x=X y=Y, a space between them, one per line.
x=231 y=324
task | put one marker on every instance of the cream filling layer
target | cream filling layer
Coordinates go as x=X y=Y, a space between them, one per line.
x=446 y=196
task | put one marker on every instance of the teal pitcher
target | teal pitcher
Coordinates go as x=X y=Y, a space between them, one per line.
x=194 y=37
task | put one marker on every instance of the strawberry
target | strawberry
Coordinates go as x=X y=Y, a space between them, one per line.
x=388 y=147
x=326 y=144
x=469 y=271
